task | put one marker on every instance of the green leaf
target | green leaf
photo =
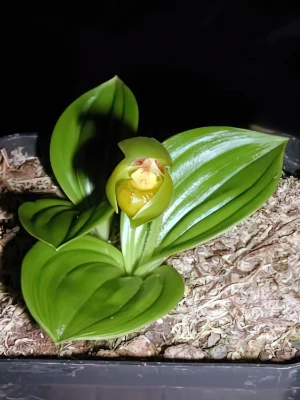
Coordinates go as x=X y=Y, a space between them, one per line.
x=107 y=299
x=149 y=292
x=57 y=221
x=138 y=243
x=132 y=242
x=81 y=290
x=158 y=295
x=221 y=175
x=83 y=145
x=40 y=282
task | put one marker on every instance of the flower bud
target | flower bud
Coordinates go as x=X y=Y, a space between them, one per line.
x=141 y=184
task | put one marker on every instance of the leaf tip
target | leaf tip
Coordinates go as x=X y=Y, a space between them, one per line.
x=117 y=79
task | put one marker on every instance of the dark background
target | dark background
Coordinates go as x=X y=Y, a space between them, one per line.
x=190 y=64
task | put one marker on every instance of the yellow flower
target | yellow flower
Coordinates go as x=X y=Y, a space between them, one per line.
x=141 y=184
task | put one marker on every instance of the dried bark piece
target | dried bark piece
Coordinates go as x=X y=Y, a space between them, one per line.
x=184 y=352
x=140 y=346
x=104 y=353
x=218 y=352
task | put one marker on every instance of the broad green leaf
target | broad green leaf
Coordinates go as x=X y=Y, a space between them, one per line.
x=31 y=269
x=78 y=286
x=158 y=295
x=48 y=278
x=81 y=290
x=83 y=145
x=149 y=292
x=104 y=302
x=221 y=175
x=57 y=221
x=172 y=292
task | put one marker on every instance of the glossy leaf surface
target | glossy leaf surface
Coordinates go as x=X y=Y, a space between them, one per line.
x=83 y=145
x=221 y=175
x=139 y=243
x=57 y=221
x=159 y=293
x=82 y=290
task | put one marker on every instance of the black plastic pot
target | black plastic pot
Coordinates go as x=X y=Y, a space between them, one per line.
x=29 y=142
x=35 y=379
x=95 y=380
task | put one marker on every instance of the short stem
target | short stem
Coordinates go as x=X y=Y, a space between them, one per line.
x=146 y=269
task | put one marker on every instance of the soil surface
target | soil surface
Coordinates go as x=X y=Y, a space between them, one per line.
x=242 y=296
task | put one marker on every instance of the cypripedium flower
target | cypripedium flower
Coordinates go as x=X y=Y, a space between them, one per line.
x=141 y=185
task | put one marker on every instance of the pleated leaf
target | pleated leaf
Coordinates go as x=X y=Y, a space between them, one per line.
x=159 y=293
x=221 y=175
x=138 y=244
x=83 y=149
x=82 y=290
x=57 y=221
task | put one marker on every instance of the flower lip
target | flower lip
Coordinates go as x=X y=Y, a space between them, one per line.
x=148 y=175
x=144 y=180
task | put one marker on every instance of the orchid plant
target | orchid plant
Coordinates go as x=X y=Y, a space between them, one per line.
x=164 y=198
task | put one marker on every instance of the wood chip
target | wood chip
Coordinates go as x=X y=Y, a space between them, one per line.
x=184 y=352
